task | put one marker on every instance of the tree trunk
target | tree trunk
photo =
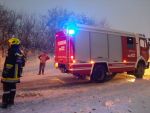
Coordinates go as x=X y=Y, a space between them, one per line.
x=0 y=59
x=3 y=52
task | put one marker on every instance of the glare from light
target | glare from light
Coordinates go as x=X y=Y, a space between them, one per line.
x=71 y=32
x=71 y=57
x=74 y=61
x=56 y=65
x=147 y=74
x=131 y=80
x=124 y=61
x=92 y=62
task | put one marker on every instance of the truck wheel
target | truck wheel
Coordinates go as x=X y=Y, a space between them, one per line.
x=139 y=72
x=98 y=74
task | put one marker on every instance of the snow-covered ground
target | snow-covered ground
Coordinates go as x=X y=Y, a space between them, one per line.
x=55 y=92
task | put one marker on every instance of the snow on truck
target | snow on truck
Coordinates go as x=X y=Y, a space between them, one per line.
x=100 y=53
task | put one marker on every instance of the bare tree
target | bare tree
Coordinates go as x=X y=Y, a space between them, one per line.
x=57 y=18
x=26 y=29
x=38 y=33
x=8 y=19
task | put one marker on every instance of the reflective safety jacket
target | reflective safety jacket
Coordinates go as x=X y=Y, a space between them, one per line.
x=13 y=65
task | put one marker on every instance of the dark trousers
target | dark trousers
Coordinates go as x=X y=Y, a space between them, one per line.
x=41 y=68
x=9 y=91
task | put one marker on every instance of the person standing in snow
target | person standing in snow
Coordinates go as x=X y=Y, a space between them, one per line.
x=12 y=71
x=43 y=58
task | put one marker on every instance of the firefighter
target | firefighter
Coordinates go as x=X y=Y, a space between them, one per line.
x=11 y=72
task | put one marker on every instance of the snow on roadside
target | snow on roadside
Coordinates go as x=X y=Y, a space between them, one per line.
x=121 y=95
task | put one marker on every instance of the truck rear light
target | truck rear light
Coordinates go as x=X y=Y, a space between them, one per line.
x=56 y=65
x=72 y=57
x=92 y=62
x=74 y=61
x=124 y=61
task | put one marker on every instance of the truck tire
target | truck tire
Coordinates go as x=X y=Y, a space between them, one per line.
x=139 y=72
x=98 y=74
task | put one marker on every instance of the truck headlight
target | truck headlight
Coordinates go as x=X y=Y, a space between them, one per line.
x=56 y=65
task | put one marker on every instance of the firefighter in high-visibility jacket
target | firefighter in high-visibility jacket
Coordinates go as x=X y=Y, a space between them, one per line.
x=12 y=71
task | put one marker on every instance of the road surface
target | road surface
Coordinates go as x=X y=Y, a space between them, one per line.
x=55 y=92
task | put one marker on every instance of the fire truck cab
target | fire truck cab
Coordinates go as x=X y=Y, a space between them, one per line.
x=100 y=53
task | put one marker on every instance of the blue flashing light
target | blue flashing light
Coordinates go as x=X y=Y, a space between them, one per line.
x=71 y=31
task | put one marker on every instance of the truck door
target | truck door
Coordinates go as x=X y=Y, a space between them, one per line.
x=61 y=48
x=129 y=50
x=144 y=49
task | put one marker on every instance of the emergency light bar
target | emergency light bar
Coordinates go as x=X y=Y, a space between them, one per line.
x=71 y=31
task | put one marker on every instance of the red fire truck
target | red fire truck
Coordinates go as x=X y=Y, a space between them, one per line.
x=100 y=53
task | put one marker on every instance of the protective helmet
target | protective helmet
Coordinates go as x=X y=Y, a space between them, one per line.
x=14 y=41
